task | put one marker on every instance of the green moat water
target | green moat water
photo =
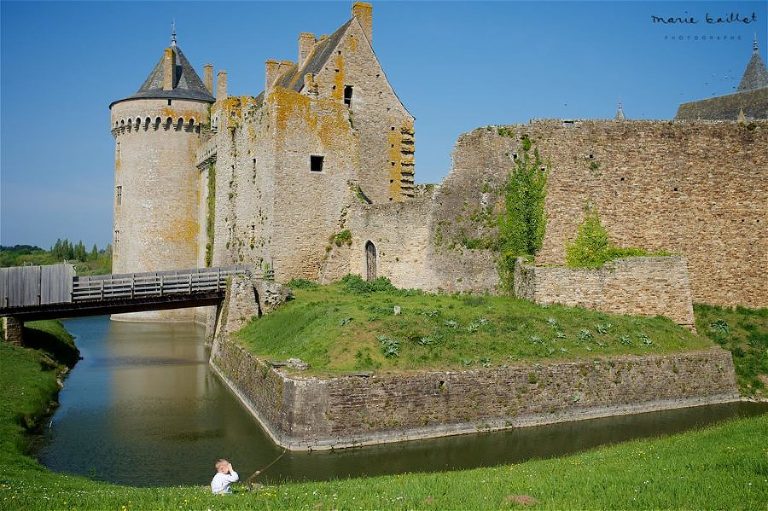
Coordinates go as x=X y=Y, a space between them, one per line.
x=143 y=408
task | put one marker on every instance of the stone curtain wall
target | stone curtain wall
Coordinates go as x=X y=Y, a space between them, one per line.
x=696 y=189
x=647 y=286
x=315 y=413
x=403 y=235
x=399 y=232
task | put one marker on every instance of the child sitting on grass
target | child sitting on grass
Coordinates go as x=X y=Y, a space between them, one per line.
x=225 y=475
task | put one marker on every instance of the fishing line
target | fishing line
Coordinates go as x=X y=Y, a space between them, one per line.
x=260 y=471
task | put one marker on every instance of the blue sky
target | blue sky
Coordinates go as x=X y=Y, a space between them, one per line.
x=455 y=65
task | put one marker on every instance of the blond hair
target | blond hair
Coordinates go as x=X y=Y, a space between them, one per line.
x=220 y=463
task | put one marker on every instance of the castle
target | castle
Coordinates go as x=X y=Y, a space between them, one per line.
x=314 y=177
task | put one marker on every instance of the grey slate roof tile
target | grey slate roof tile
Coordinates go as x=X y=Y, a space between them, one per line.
x=187 y=83
x=755 y=76
x=294 y=77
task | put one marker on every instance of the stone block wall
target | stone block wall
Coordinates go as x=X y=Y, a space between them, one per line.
x=383 y=125
x=399 y=232
x=647 y=286
x=695 y=189
x=13 y=330
x=319 y=413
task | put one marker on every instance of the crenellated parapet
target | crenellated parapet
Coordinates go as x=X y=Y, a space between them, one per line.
x=136 y=124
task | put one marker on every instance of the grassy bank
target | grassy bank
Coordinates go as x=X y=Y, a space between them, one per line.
x=345 y=327
x=53 y=338
x=745 y=333
x=719 y=467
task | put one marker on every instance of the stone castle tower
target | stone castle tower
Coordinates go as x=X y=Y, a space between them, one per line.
x=157 y=132
x=260 y=180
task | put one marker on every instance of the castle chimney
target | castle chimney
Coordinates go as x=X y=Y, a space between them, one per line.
x=169 y=69
x=221 y=85
x=208 y=77
x=271 y=68
x=363 y=11
x=306 y=43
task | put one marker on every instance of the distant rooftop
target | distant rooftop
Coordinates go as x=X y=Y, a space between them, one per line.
x=750 y=101
x=755 y=76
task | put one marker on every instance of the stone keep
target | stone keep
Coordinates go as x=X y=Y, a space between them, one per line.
x=157 y=133
x=285 y=166
x=259 y=180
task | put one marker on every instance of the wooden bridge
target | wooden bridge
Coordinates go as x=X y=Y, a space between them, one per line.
x=44 y=292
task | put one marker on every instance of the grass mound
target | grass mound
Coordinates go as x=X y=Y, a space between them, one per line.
x=745 y=333
x=355 y=325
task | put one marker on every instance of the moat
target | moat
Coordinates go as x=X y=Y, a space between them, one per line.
x=143 y=408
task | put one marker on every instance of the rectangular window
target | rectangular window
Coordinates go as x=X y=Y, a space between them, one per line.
x=316 y=163
x=348 y=95
x=119 y=195
x=117 y=236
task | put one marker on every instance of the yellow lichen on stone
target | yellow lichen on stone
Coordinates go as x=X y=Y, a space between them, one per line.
x=182 y=230
x=395 y=166
x=327 y=118
x=184 y=114
x=351 y=43
x=338 y=80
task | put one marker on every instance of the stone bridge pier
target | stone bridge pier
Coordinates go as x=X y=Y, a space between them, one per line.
x=13 y=329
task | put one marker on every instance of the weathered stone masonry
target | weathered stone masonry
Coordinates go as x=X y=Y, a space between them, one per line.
x=314 y=413
x=648 y=286
x=696 y=189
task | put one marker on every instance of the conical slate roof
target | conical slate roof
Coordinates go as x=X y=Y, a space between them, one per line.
x=186 y=84
x=755 y=76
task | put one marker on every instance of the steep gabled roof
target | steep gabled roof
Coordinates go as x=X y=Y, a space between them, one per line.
x=755 y=76
x=186 y=84
x=294 y=77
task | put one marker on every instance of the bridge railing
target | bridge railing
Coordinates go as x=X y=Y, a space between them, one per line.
x=156 y=284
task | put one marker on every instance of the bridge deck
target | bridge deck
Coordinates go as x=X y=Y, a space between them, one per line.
x=112 y=294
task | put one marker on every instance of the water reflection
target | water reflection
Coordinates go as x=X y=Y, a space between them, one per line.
x=143 y=408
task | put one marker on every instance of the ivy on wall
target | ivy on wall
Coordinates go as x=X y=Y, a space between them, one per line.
x=523 y=221
x=211 y=214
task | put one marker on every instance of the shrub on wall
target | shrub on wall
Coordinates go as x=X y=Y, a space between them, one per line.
x=211 y=215
x=523 y=221
x=592 y=248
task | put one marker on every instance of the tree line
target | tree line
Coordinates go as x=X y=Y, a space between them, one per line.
x=95 y=260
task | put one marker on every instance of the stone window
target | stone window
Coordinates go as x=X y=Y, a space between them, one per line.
x=169 y=102
x=119 y=195
x=316 y=163
x=117 y=236
x=348 y=95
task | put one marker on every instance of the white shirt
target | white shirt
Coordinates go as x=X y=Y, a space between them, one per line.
x=221 y=482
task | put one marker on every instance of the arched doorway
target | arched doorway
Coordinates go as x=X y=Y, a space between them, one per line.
x=370 y=261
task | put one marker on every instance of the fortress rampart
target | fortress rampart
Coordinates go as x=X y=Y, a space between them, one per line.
x=696 y=189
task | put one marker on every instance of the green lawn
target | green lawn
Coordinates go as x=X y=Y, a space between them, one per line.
x=338 y=328
x=745 y=333
x=723 y=467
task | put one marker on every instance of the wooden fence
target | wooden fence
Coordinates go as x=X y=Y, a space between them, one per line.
x=25 y=286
